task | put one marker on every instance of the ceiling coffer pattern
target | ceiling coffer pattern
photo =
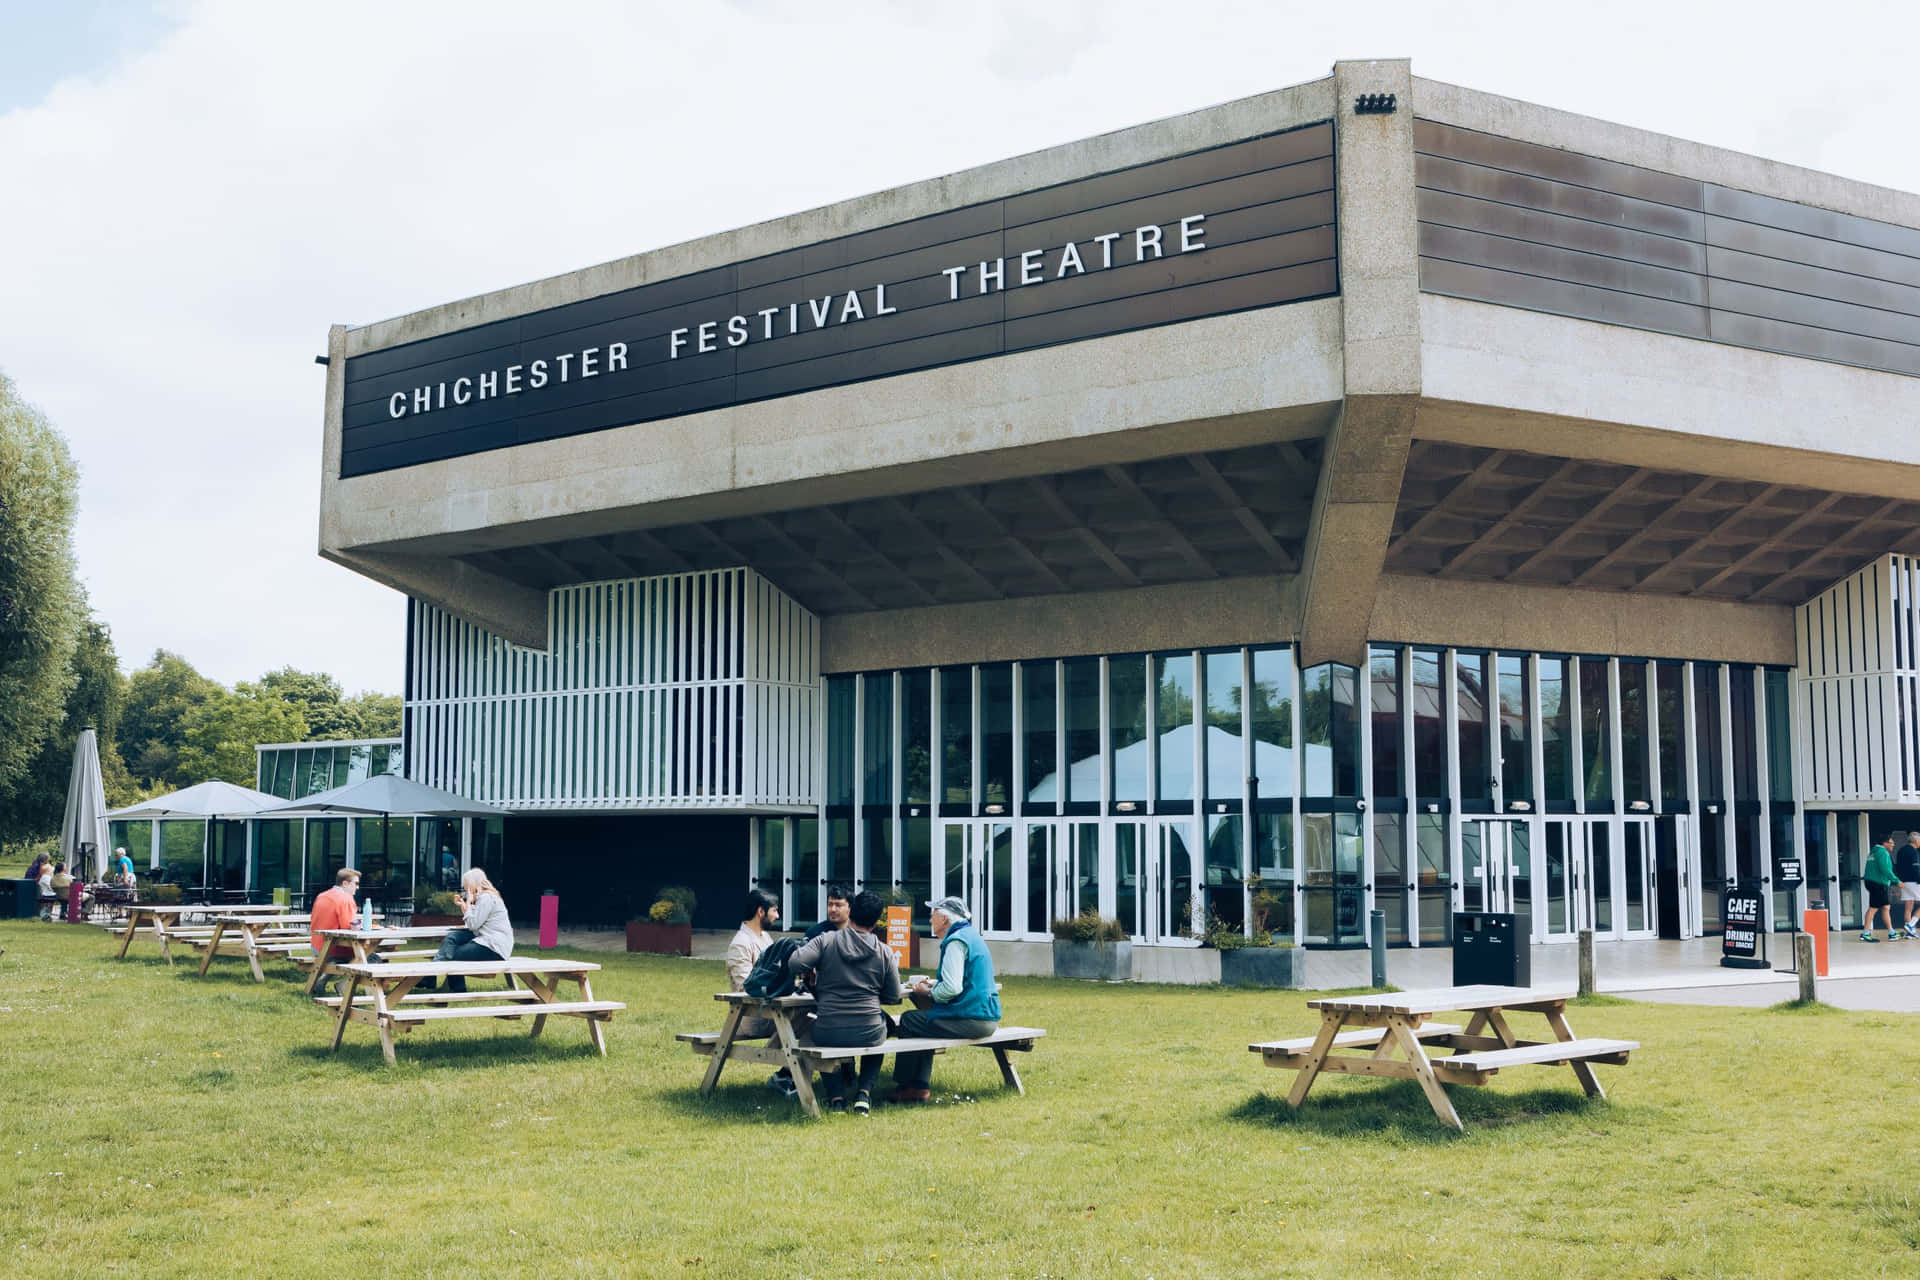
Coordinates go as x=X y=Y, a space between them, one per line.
x=1225 y=514
x=1509 y=516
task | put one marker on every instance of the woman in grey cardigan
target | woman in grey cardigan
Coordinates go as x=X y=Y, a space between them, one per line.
x=488 y=934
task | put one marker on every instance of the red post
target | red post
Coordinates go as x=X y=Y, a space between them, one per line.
x=549 y=920
x=74 y=892
x=1815 y=923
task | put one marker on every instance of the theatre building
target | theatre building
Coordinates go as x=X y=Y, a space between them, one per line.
x=1370 y=494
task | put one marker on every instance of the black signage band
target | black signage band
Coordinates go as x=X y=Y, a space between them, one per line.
x=1249 y=224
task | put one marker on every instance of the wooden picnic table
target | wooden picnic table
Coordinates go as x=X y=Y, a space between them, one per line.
x=252 y=935
x=392 y=1006
x=366 y=943
x=1400 y=1021
x=168 y=919
x=787 y=1047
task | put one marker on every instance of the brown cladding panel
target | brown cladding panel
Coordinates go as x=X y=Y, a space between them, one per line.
x=1523 y=225
x=1268 y=239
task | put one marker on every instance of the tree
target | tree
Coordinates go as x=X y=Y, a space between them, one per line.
x=374 y=715
x=162 y=698
x=218 y=735
x=33 y=808
x=40 y=598
x=328 y=716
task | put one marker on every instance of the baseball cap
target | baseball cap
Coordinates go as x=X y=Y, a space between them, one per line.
x=951 y=906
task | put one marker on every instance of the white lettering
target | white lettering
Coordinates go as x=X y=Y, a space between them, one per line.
x=767 y=317
x=513 y=379
x=489 y=384
x=1192 y=234
x=850 y=309
x=1031 y=272
x=616 y=356
x=953 y=275
x=537 y=372
x=1070 y=257
x=564 y=359
x=423 y=399
x=1106 y=247
x=820 y=308
x=443 y=397
x=880 y=307
x=793 y=317
x=998 y=275
x=677 y=341
x=737 y=331
x=397 y=405
x=590 y=363
x=462 y=390
x=1142 y=237
x=707 y=335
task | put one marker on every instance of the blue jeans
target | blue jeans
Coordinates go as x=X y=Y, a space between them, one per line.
x=461 y=946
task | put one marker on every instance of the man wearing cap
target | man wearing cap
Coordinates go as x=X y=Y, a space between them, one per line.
x=963 y=1003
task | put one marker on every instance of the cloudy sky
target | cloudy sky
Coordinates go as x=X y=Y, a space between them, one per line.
x=191 y=192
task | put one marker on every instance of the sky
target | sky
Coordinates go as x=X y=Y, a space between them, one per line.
x=192 y=191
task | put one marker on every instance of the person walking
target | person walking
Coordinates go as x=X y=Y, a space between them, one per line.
x=1907 y=866
x=1880 y=881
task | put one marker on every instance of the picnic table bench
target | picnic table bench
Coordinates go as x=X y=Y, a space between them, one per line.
x=365 y=943
x=389 y=986
x=168 y=921
x=1400 y=1022
x=785 y=1047
x=251 y=935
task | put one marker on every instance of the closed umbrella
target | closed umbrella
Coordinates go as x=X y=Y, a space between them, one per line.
x=83 y=829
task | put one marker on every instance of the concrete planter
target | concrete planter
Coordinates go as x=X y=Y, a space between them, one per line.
x=1264 y=967
x=1098 y=961
x=660 y=939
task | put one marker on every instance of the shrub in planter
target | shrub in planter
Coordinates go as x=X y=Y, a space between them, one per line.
x=160 y=894
x=437 y=908
x=1257 y=960
x=667 y=929
x=1088 y=946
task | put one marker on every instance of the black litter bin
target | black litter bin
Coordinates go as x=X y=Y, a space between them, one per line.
x=20 y=899
x=1490 y=949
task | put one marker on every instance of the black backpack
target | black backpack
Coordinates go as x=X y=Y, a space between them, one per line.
x=771 y=976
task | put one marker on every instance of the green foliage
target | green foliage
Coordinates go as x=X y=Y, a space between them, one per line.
x=1089 y=926
x=41 y=603
x=1224 y=935
x=33 y=807
x=440 y=903
x=327 y=715
x=162 y=894
x=161 y=698
x=673 y=904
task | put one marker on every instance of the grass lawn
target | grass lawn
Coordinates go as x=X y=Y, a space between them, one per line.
x=164 y=1124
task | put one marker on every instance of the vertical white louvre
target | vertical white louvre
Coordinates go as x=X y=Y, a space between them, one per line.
x=692 y=690
x=1858 y=684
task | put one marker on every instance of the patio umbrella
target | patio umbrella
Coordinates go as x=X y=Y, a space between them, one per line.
x=382 y=796
x=83 y=830
x=207 y=801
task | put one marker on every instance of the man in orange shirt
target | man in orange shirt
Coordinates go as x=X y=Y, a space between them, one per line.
x=334 y=909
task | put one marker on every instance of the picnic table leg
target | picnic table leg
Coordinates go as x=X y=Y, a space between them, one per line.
x=1498 y=1021
x=1330 y=1020
x=346 y=1007
x=319 y=970
x=595 y=1031
x=160 y=932
x=213 y=945
x=546 y=991
x=1007 y=1073
x=783 y=1034
x=1399 y=1030
x=126 y=936
x=1583 y=1071
x=721 y=1050
x=253 y=951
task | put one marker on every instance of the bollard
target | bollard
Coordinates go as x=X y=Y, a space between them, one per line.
x=549 y=920
x=1377 y=938
x=1803 y=961
x=1586 y=962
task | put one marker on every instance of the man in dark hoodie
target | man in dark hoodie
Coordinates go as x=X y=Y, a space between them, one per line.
x=853 y=974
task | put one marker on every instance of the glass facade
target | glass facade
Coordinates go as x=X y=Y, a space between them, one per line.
x=1173 y=790
x=294 y=771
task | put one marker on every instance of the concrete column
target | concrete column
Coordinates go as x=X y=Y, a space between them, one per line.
x=1366 y=452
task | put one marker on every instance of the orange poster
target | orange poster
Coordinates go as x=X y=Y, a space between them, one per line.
x=900 y=934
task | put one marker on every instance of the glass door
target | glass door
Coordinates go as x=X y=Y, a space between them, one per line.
x=1562 y=850
x=1486 y=865
x=1638 y=880
x=980 y=867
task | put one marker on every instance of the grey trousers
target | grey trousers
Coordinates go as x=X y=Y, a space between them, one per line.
x=913 y=1070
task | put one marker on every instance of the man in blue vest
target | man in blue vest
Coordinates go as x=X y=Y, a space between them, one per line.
x=963 y=1003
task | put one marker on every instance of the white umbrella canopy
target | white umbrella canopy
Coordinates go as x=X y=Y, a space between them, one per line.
x=83 y=829
x=213 y=799
x=381 y=795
